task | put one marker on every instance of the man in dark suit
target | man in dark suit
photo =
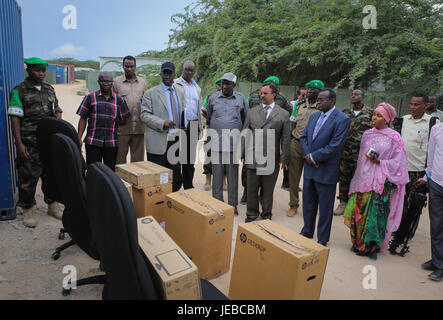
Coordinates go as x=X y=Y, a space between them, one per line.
x=162 y=112
x=322 y=143
x=274 y=123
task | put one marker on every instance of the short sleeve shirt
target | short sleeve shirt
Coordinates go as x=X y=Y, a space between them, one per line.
x=103 y=116
x=132 y=92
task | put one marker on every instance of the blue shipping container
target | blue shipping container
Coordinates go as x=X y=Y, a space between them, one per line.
x=60 y=78
x=11 y=74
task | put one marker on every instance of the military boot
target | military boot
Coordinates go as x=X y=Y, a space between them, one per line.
x=55 y=211
x=29 y=217
x=208 y=182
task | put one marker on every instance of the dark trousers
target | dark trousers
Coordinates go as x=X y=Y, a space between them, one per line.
x=436 y=219
x=415 y=200
x=162 y=160
x=318 y=197
x=188 y=168
x=264 y=183
x=101 y=154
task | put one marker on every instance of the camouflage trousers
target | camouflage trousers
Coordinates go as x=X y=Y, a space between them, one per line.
x=29 y=172
x=347 y=170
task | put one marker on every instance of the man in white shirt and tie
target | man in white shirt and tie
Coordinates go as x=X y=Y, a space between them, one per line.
x=274 y=121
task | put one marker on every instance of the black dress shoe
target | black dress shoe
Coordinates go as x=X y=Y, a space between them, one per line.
x=428 y=265
x=250 y=219
x=267 y=216
x=324 y=244
x=437 y=275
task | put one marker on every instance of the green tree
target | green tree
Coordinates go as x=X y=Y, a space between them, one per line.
x=300 y=40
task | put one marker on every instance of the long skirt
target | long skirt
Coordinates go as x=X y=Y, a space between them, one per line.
x=366 y=215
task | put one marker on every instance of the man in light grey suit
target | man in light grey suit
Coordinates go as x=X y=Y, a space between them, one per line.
x=162 y=112
x=187 y=87
x=271 y=130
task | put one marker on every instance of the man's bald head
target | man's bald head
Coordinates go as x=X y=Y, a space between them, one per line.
x=105 y=81
x=188 y=70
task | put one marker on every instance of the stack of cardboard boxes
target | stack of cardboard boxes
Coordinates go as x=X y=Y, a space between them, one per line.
x=270 y=261
x=150 y=185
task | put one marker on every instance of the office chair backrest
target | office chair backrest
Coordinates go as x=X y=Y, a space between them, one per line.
x=70 y=179
x=114 y=226
x=46 y=127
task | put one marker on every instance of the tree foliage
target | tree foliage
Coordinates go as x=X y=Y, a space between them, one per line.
x=79 y=64
x=300 y=40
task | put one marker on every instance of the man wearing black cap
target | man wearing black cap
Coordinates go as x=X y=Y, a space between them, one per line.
x=31 y=101
x=162 y=112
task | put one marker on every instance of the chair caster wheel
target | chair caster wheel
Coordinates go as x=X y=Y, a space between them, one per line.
x=66 y=292
x=55 y=255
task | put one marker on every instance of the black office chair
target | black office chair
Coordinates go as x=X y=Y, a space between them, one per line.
x=114 y=227
x=47 y=127
x=68 y=169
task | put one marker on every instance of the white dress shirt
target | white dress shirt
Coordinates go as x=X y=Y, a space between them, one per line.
x=435 y=155
x=271 y=106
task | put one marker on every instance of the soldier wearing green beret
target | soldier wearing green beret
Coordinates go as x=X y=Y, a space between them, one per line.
x=304 y=110
x=31 y=101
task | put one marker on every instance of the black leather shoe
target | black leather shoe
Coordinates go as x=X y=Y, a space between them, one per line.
x=428 y=265
x=250 y=219
x=324 y=244
x=267 y=216
x=437 y=275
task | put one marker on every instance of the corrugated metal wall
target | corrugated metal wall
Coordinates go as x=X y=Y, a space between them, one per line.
x=11 y=74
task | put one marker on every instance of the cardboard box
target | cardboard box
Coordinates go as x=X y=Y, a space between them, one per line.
x=175 y=274
x=273 y=262
x=202 y=227
x=128 y=187
x=151 y=201
x=144 y=174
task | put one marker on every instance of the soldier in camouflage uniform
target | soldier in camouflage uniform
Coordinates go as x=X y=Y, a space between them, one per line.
x=305 y=109
x=31 y=101
x=361 y=120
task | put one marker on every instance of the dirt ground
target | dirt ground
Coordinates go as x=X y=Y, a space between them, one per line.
x=28 y=272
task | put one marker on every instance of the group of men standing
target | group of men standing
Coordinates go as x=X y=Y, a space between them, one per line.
x=312 y=135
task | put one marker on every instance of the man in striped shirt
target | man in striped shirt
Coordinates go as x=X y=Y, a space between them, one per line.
x=102 y=111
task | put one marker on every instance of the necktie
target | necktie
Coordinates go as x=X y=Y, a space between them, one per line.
x=318 y=125
x=267 y=108
x=174 y=108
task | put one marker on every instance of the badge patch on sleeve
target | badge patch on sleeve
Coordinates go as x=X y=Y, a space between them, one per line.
x=15 y=105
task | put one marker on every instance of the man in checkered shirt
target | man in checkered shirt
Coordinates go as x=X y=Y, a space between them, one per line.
x=102 y=111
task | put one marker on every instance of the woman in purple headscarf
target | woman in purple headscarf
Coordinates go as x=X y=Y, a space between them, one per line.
x=377 y=189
